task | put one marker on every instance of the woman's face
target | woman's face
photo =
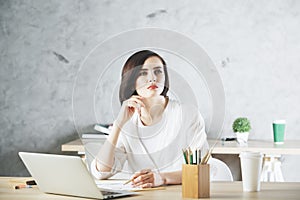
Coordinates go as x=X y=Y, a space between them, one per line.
x=151 y=78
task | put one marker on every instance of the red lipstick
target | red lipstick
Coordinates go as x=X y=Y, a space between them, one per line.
x=152 y=87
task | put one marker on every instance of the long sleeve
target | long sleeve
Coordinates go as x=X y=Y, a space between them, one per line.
x=119 y=160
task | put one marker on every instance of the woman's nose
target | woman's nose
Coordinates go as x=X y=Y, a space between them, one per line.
x=152 y=77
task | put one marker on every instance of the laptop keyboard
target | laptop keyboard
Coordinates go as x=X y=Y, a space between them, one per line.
x=109 y=193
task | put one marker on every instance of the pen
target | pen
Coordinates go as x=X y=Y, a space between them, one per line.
x=196 y=157
x=206 y=157
x=22 y=186
x=128 y=181
x=185 y=156
x=191 y=158
x=199 y=156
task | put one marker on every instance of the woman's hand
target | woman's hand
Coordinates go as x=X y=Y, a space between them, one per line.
x=146 y=178
x=134 y=103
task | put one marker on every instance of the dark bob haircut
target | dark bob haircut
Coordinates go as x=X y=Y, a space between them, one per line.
x=131 y=70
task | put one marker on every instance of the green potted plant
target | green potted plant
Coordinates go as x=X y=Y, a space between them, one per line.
x=241 y=127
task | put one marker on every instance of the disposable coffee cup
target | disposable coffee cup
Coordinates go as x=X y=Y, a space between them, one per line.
x=278 y=131
x=251 y=165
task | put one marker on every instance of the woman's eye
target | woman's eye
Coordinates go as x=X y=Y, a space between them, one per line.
x=157 y=71
x=143 y=73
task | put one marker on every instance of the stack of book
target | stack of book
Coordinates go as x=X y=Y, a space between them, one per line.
x=103 y=131
x=103 y=128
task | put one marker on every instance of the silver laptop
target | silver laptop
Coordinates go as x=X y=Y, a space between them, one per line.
x=66 y=175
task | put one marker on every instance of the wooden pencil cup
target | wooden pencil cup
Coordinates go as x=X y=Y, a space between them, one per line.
x=195 y=181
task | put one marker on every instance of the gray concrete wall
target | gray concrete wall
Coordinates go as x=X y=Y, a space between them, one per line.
x=254 y=44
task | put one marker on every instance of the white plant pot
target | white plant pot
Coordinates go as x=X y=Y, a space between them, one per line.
x=242 y=138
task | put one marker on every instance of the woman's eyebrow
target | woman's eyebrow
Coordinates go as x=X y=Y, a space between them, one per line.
x=146 y=69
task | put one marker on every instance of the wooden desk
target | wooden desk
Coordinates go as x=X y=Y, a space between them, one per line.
x=219 y=190
x=290 y=147
x=230 y=147
x=268 y=148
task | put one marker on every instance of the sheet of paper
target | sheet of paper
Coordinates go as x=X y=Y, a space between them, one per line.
x=119 y=185
x=115 y=185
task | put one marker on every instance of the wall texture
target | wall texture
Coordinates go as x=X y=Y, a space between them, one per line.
x=254 y=44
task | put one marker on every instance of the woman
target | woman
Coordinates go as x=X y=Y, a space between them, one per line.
x=150 y=130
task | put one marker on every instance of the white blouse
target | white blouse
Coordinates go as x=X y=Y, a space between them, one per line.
x=159 y=146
